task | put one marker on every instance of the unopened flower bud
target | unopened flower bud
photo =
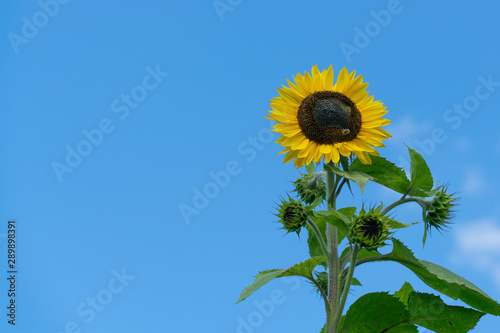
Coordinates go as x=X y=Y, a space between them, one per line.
x=370 y=229
x=292 y=214
x=437 y=212
x=310 y=187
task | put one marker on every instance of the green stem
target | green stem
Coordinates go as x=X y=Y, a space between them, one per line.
x=320 y=238
x=385 y=257
x=347 y=284
x=333 y=257
x=399 y=202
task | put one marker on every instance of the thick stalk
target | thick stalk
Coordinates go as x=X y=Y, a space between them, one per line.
x=333 y=257
x=400 y=202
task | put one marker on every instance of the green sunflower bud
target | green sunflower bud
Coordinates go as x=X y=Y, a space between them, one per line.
x=310 y=187
x=292 y=214
x=437 y=212
x=322 y=280
x=370 y=229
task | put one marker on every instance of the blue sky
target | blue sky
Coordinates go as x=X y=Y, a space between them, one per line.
x=115 y=115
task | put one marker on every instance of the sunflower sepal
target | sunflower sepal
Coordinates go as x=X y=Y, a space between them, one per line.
x=310 y=188
x=370 y=229
x=293 y=215
x=437 y=213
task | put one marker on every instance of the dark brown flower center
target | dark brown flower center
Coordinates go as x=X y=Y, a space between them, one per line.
x=328 y=117
x=370 y=228
x=290 y=214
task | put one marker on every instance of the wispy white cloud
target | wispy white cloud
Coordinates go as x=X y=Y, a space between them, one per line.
x=408 y=128
x=474 y=182
x=478 y=245
x=482 y=236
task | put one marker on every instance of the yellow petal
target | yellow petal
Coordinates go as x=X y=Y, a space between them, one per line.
x=317 y=156
x=354 y=86
x=328 y=78
x=344 y=151
x=299 y=162
x=325 y=149
x=280 y=139
x=308 y=150
x=334 y=155
x=341 y=79
x=297 y=142
x=289 y=96
x=371 y=116
x=317 y=79
x=363 y=157
x=290 y=156
x=286 y=150
x=299 y=88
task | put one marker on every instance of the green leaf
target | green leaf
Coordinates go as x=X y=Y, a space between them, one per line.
x=260 y=279
x=342 y=227
x=383 y=172
x=404 y=293
x=442 y=280
x=359 y=178
x=341 y=219
x=431 y=312
x=341 y=216
x=310 y=169
x=363 y=254
x=320 y=218
x=463 y=289
x=322 y=213
x=421 y=178
x=374 y=312
x=344 y=162
x=355 y=282
x=403 y=328
x=313 y=243
x=317 y=202
x=394 y=224
x=303 y=269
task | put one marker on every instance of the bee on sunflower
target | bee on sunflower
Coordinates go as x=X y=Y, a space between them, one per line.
x=319 y=119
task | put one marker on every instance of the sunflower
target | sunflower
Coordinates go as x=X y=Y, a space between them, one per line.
x=319 y=119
